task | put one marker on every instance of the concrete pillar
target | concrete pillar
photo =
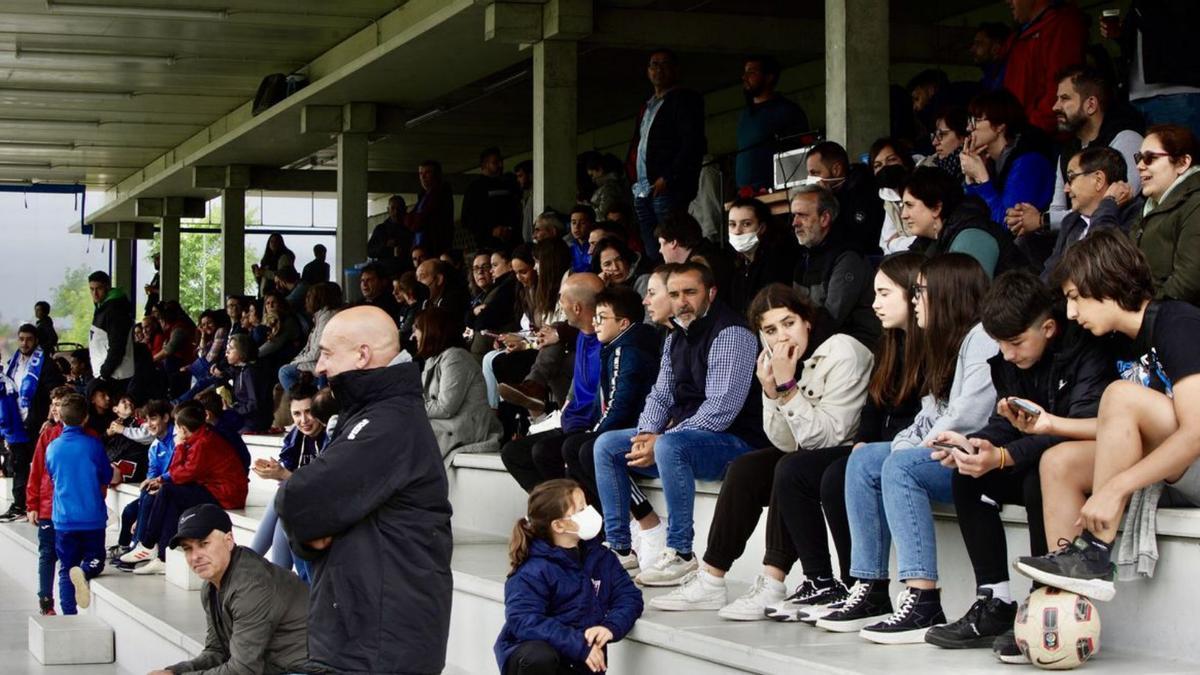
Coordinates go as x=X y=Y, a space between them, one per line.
x=122 y=276
x=233 y=241
x=352 y=207
x=555 y=118
x=856 y=73
x=168 y=267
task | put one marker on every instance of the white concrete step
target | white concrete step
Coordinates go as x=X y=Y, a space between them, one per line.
x=1153 y=617
x=70 y=640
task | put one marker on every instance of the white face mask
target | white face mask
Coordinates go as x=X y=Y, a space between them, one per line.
x=589 y=522
x=743 y=242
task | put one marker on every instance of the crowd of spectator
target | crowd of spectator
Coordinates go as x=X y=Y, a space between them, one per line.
x=983 y=312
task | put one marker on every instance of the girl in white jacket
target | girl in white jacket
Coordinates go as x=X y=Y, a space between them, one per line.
x=814 y=385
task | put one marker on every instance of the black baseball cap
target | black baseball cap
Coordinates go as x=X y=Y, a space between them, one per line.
x=198 y=521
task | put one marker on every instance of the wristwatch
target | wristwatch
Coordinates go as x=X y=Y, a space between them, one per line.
x=786 y=386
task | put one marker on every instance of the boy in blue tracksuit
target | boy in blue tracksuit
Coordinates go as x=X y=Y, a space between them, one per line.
x=80 y=471
x=162 y=449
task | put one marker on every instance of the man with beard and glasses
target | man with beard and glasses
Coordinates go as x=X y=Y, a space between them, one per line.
x=767 y=117
x=1086 y=109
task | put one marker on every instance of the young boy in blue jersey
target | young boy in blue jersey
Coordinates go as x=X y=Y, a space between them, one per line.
x=80 y=472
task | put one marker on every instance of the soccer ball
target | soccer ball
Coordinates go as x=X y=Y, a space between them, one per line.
x=1057 y=629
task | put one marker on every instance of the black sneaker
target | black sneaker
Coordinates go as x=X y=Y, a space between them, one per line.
x=867 y=603
x=1005 y=648
x=810 y=615
x=1082 y=566
x=811 y=592
x=987 y=619
x=919 y=610
x=13 y=514
x=46 y=605
x=116 y=551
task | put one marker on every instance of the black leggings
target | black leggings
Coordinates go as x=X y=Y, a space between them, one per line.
x=980 y=524
x=808 y=482
x=537 y=657
x=535 y=458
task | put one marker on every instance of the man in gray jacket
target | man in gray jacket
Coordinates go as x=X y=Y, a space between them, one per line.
x=257 y=612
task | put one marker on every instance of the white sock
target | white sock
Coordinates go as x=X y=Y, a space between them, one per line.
x=1000 y=591
x=711 y=579
x=775 y=585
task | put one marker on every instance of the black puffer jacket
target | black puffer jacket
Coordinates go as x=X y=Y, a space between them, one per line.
x=380 y=600
x=973 y=214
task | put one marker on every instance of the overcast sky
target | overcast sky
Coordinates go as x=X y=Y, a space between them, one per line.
x=37 y=249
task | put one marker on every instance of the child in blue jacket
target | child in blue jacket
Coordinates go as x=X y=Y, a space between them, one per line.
x=567 y=596
x=80 y=471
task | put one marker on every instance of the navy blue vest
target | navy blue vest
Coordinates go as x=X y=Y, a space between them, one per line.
x=689 y=364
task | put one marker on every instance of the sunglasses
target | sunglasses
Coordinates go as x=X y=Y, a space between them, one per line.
x=1148 y=157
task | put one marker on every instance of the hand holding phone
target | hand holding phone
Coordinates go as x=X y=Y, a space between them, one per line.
x=1024 y=406
x=951 y=447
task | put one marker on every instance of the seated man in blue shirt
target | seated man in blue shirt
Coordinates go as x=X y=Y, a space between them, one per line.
x=702 y=413
x=538 y=457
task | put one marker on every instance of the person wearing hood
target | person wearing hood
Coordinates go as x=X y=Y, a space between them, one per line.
x=566 y=597
x=836 y=277
x=110 y=343
x=859 y=216
x=1100 y=200
x=379 y=557
x=945 y=221
x=1169 y=232
x=760 y=259
x=25 y=386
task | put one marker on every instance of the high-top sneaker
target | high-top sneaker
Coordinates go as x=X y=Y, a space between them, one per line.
x=751 y=606
x=811 y=593
x=986 y=620
x=918 y=611
x=867 y=603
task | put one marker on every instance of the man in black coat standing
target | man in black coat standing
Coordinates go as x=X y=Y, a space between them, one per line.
x=372 y=513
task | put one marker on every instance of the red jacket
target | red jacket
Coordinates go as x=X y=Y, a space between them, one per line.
x=39 y=491
x=208 y=460
x=1051 y=42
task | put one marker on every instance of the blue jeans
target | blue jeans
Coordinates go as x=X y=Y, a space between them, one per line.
x=680 y=458
x=1183 y=109
x=650 y=212
x=270 y=536
x=47 y=558
x=489 y=378
x=890 y=493
x=289 y=375
x=80 y=548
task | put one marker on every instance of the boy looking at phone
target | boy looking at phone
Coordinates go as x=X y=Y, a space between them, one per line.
x=1047 y=368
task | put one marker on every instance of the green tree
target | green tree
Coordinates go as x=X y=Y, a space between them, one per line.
x=73 y=306
x=200 y=257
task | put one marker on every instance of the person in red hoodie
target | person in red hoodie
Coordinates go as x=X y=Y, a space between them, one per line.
x=204 y=470
x=1050 y=35
x=39 y=502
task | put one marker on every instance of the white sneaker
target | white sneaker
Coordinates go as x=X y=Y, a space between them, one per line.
x=629 y=562
x=138 y=554
x=752 y=605
x=154 y=566
x=635 y=535
x=668 y=570
x=83 y=594
x=695 y=593
x=651 y=544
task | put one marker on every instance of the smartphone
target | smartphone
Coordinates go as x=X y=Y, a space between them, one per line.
x=1025 y=406
x=766 y=345
x=490 y=334
x=972 y=450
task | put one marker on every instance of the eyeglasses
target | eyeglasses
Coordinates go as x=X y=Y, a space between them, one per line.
x=599 y=319
x=917 y=290
x=1148 y=157
x=973 y=122
x=1072 y=175
x=939 y=134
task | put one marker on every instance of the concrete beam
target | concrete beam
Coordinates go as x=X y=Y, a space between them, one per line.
x=335 y=119
x=179 y=207
x=233 y=241
x=352 y=206
x=123 y=265
x=555 y=122
x=856 y=79
x=168 y=268
x=512 y=23
x=271 y=179
x=567 y=19
x=126 y=230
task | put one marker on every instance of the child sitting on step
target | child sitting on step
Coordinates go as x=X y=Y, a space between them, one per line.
x=567 y=596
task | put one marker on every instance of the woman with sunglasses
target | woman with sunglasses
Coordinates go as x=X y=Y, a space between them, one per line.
x=890 y=487
x=1169 y=232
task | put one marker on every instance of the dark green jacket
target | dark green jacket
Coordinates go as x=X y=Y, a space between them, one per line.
x=1169 y=235
x=257 y=621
